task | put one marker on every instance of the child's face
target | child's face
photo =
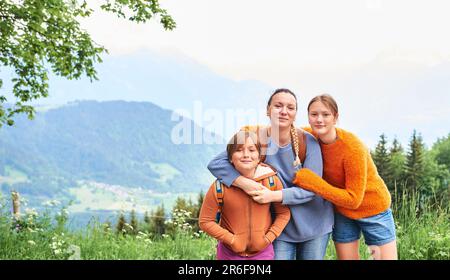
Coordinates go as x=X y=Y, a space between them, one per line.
x=246 y=157
x=321 y=118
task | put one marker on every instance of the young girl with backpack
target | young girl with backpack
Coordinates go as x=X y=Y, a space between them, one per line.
x=244 y=228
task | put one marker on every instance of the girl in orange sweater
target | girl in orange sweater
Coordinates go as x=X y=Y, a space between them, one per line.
x=351 y=182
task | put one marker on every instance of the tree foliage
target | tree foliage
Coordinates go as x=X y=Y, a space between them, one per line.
x=397 y=160
x=381 y=157
x=420 y=173
x=37 y=37
x=415 y=162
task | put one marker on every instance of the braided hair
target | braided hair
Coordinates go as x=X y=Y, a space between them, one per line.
x=295 y=144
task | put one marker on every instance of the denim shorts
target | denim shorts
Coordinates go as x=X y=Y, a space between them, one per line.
x=377 y=230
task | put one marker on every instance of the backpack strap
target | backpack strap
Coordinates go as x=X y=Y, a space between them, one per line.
x=219 y=198
x=270 y=183
x=302 y=144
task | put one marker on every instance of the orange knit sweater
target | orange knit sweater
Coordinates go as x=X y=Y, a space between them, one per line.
x=350 y=178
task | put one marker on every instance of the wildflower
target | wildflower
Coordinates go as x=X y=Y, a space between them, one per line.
x=443 y=254
x=31 y=212
x=148 y=241
x=75 y=252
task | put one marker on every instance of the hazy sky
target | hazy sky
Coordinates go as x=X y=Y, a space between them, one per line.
x=273 y=40
x=311 y=47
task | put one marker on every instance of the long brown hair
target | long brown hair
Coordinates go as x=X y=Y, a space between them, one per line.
x=328 y=101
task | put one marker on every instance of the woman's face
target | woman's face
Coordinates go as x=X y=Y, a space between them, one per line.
x=321 y=118
x=282 y=110
x=246 y=157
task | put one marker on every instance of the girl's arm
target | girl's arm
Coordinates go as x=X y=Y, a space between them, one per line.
x=314 y=162
x=295 y=195
x=351 y=197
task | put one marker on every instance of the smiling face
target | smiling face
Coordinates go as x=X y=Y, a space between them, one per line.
x=245 y=157
x=282 y=109
x=321 y=118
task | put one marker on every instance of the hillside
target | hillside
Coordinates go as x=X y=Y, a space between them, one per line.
x=101 y=147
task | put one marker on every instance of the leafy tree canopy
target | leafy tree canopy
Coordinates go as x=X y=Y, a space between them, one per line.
x=37 y=37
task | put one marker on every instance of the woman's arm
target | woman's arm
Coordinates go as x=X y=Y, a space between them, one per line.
x=221 y=168
x=295 y=195
x=314 y=162
x=351 y=197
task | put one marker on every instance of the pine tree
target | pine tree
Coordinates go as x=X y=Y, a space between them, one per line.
x=381 y=159
x=396 y=166
x=158 y=221
x=415 y=162
x=200 y=198
x=149 y=221
x=120 y=228
x=196 y=211
x=147 y=217
x=133 y=222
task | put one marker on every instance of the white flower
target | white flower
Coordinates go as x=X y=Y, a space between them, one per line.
x=31 y=212
x=31 y=242
x=75 y=252
x=57 y=252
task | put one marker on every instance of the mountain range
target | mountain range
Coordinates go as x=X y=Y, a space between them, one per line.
x=88 y=147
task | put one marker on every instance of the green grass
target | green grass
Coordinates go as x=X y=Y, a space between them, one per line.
x=423 y=234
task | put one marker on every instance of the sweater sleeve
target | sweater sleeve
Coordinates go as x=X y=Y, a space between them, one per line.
x=313 y=161
x=282 y=216
x=221 y=168
x=351 y=197
x=207 y=218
